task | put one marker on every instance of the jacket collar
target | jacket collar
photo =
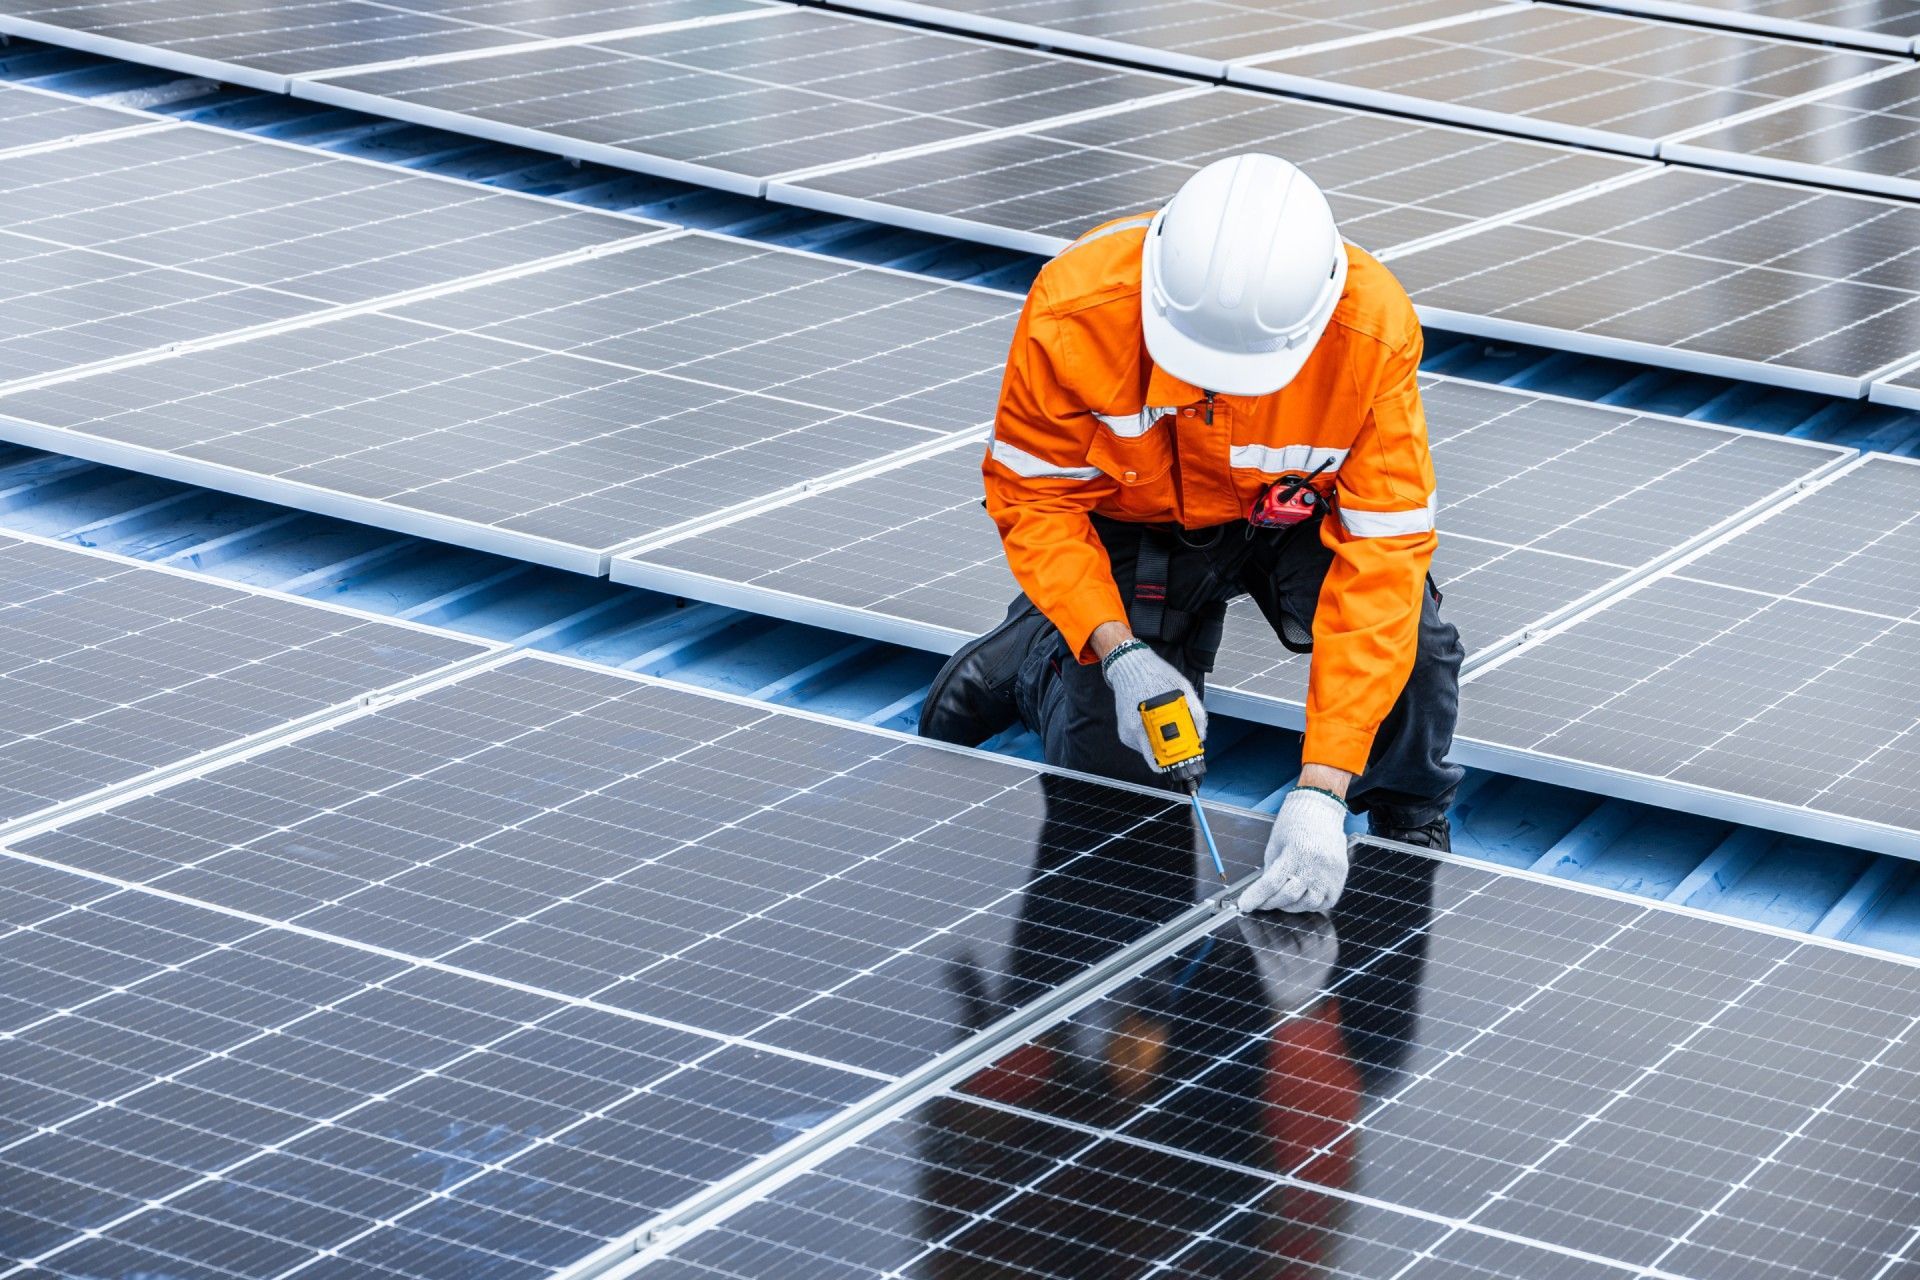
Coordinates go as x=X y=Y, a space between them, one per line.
x=1165 y=389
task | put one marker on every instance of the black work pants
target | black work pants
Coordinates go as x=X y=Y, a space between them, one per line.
x=1407 y=781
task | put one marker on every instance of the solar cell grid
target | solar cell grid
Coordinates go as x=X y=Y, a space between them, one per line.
x=234 y=208
x=263 y=46
x=113 y=669
x=1570 y=75
x=426 y=989
x=863 y=900
x=734 y=104
x=505 y=441
x=1719 y=274
x=1390 y=181
x=1866 y=138
x=1537 y=513
x=30 y=119
x=1194 y=36
x=1459 y=1074
x=194 y=1095
x=1767 y=676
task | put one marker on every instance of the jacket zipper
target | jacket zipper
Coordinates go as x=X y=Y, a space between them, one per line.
x=1209 y=408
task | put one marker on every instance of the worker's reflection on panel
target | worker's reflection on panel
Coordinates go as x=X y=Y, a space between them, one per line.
x=1259 y=1046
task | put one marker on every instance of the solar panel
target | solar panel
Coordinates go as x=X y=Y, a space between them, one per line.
x=1689 y=270
x=734 y=104
x=1568 y=75
x=747 y=919
x=1769 y=677
x=1872 y=24
x=1391 y=181
x=131 y=245
x=261 y=47
x=1464 y=1074
x=194 y=1095
x=1198 y=37
x=1901 y=390
x=113 y=669
x=30 y=119
x=1866 y=138
x=301 y=221
x=709 y=373
x=1544 y=502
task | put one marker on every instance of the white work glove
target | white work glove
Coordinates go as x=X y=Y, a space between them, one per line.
x=1140 y=675
x=1306 y=856
x=1294 y=957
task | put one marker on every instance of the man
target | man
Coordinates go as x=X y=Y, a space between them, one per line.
x=1219 y=398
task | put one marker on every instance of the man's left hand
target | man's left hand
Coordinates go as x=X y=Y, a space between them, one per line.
x=1306 y=856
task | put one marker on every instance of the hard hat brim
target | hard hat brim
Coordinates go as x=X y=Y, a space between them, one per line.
x=1228 y=373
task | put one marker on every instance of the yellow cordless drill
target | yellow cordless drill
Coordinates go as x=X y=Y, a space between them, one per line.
x=1178 y=751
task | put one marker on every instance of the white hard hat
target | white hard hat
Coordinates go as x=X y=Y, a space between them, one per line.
x=1243 y=270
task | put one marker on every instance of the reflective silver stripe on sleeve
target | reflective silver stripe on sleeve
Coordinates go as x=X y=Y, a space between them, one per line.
x=1293 y=457
x=1028 y=467
x=1387 y=524
x=1135 y=425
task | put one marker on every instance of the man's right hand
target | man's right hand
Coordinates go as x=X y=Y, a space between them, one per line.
x=1137 y=674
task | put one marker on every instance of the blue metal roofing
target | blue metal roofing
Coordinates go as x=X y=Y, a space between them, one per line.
x=1713 y=865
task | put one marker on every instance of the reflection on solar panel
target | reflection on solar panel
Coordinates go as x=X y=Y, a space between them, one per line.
x=779 y=368
x=1537 y=514
x=1771 y=677
x=129 y=245
x=1689 y=270
x=1194 y=36
x=30 y=119
x=1873 y=24
x=1570 y=75
x=1391 y=181
x=1867 y=138
x=113 y=669
x=576 y=947
x=1461 y=1075
x=734 y=104
x=260 y=46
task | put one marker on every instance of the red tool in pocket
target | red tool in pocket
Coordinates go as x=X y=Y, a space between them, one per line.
x=1288 y=501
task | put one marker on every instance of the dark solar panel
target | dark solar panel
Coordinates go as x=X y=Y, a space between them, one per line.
x=480 y=979
x=1535 y=515
x=604 y=400
x=194 y=1095
x=110 y=669
x=736 y=103
x=1571 y=75
x=1461 y=1075
x=1866 y=138
x=1769 y=677
x=1698 y=271
x=1391 y=181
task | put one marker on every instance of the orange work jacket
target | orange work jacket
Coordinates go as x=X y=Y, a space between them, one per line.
x=1087 y=423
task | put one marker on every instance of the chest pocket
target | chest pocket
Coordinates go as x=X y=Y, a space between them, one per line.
x=1136 y=464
